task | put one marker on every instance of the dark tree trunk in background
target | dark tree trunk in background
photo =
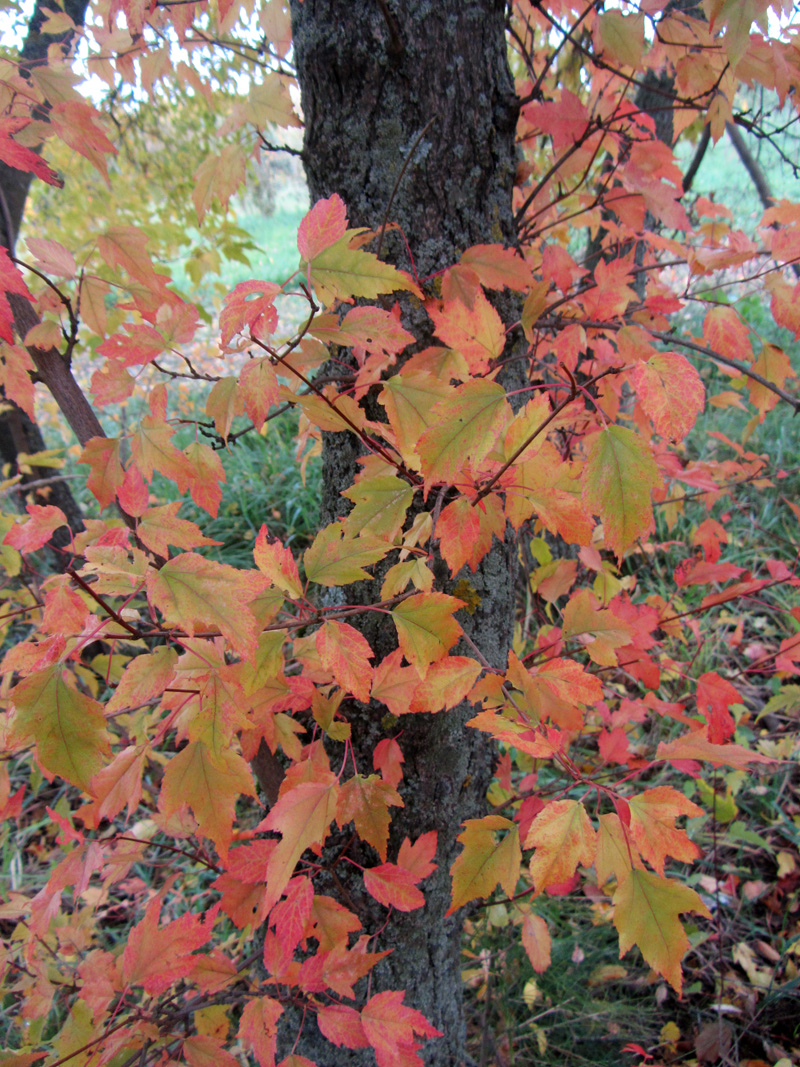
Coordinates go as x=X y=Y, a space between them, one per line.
x=373 y=74
x=18 y=433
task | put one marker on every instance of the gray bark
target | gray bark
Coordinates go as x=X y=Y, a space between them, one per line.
x=373 y=73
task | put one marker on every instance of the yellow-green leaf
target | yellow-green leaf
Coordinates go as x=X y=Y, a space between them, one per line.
x=485 y=861
x=426 y=628
x=340 y=272
x=336 y=559
x=67 y=726
x=646 y=910
x=619 y=475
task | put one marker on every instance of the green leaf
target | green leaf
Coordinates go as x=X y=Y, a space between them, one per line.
x=466 y=427
x=425 y=627
x=336 y=559
x=619 y=475
x=340 y=272
x=485 y=862
x=67 y=726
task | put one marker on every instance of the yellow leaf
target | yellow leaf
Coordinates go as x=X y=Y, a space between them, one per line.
x=485 y=862
x=646 y=910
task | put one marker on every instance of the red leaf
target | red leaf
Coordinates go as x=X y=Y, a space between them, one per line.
x=394 y=887
x=391 y=1029
x=322 y=227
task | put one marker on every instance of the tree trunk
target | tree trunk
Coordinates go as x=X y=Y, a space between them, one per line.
x=373 y=75
x=18 y=433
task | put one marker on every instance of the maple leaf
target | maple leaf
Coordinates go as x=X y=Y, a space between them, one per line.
x=652 y=826
x=485 y=863
x=156 y=956
x=601 y=630
x=426 y=628
x=380 y=506
x=447 y=682
x=476 y=332
x=618 y=477
x=410 y=399
x=342 y=1026
x=498 y=267
x=66 y=725
x=388 y=759
x=210 y=785
x=365 y=801
x=671 y=393
x=341 y=272
x=336 y=559
x=160 y=527
x=116 y=786
x=616 y=852
x=725 y=332
x=152 y=449
x=394 y=887
x=76 y=123
x=302 y=815
x=646 y=910
x=466 y=427
x=563 y=837
x=251 y=304
x=195 y=593
x=18 y=156
x=536 y=942
x=390 y=1028
x=16 y=368
x=555 y=690
x=205 y=472
x=622 y=37
x=323 y=226
x=144 y=678
x=696 y=746
x=42 y=522
x=346 y=654
x=416 y=858
x=258 y=389
x=714 y=697
x=205 y=1050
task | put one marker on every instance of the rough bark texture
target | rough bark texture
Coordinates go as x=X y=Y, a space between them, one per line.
x=373 y=74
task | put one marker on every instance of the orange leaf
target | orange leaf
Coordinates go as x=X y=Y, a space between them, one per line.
x=563 y=837
x=302 y=815
x=346 y=654
x=155 y=957
x=671 y=393
x=536 y=942
x=365 y=802
x=210 y=785
x=653 y=829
